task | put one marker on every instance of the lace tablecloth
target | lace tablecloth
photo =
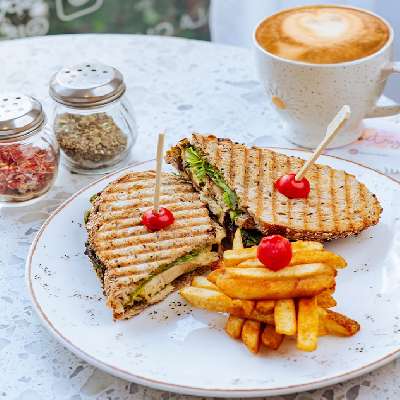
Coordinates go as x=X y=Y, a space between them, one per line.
x=174 y=85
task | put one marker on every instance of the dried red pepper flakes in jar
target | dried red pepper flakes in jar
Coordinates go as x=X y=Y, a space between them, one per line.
x=29 y=153
x=25 y=168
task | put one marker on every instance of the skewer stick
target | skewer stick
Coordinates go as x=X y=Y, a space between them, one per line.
x=331 y=131
x=160 y=148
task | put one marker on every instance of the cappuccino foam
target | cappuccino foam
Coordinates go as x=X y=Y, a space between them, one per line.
x=322 y=34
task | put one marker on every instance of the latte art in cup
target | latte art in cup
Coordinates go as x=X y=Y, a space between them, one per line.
x=322 y=34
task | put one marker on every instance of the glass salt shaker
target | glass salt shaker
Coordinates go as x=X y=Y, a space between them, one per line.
x=29 y=154
x=92 y=119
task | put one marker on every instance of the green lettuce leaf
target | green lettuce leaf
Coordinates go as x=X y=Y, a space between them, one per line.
x=201 y=168
x=196 y=164
x=251 y=237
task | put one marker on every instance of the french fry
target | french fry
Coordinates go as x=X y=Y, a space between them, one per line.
x=322 y=256
x=307 y=324
x=251 y=333
x=203 y=282
x=285 y=317
x=325 y=299
x=237 y=240
x=338 y=324
x=306 y=245
x=270 y=338
x=265 y=306
x=238 y=255
x=266 y=318
x=302 y=257
x=262 y=284
x=265 y=274
x=234 y=257
x=212 y=300
x=213 y=275
x=233 y=326
x=275 y=290
x=322 y=331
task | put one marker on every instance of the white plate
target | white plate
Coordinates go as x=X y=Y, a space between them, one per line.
x=171 y=347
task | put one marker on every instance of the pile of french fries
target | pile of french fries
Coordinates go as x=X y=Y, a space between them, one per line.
x=264 y=306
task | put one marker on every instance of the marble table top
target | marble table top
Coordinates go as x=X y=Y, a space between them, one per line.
x=174 y=85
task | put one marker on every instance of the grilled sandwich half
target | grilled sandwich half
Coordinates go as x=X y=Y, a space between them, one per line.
x=137 y=267
x=237 y=183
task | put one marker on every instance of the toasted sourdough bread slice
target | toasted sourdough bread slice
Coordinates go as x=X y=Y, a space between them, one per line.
x=131 y=260
x=338 y=204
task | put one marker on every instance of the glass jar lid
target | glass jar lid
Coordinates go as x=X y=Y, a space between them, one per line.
x=87 y=85
x=19 y=115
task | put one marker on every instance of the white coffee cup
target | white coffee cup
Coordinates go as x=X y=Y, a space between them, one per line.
x=307 y=96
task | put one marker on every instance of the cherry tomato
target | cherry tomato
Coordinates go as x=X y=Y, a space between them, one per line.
x=275 y=252
x=289 y=187
x=155 y=221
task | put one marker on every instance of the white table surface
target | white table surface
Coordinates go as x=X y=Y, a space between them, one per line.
x=174 y=85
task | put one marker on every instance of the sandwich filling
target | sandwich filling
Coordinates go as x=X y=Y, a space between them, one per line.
x=201 y=171
x=221 y=199
x=148 y=288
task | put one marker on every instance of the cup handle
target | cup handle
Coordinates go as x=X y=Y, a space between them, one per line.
x=386 y=111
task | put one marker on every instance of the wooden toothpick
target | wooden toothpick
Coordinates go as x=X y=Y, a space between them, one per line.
x=160 y=148
x=331 y=131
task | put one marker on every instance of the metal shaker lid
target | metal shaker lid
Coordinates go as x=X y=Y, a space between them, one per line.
x=19 y=115
x=87 y=85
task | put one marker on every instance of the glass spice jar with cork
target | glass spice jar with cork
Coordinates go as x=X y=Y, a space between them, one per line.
x=29 y=154
x=92 y=119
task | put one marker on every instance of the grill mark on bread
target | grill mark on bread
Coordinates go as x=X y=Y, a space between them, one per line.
x=273 y=190
x=318 y=196
x=147 y=252
x=238 y=176
x=304 y=205
x=120 y=243
x=341 y=201
x=211 y=148
x=217 y=161
x=231 y=172
x=333 y=200
x=253 y=177
x=348 y=201
x=225 y=156
x=245 y=175
x=126 y=213
x=268 y=187
x=145 y=193
x=282 y=202
x=260 y=192
x=133 y=185
x=289 y=201
x=144 y=201
x=363 y=204
x=121 y=233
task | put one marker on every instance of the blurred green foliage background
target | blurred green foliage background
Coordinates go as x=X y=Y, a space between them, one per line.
x=187 y=18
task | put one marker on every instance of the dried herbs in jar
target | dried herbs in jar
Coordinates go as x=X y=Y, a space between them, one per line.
x=93 y=121
x=90 y=140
